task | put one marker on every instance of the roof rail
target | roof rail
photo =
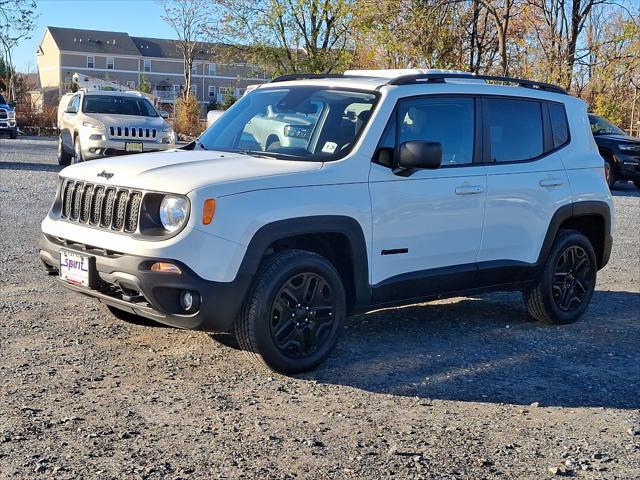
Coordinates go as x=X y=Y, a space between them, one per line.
x=441 y=77
x=311 y=76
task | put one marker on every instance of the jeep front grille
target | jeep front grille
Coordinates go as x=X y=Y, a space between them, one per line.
x=133 y=132
x=101 y=206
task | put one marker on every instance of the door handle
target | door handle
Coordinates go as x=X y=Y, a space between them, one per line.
x=550 y=182
x=469 y=190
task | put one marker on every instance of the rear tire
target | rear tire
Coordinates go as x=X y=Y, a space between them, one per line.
x=293 y=314
x=64 y=158
x=566 y=285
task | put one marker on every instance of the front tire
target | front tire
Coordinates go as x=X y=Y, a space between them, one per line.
x=77 y=150
x=13 y=134
x=637 y=184
x=64 y=158
x=566 y=285
x=293 y=314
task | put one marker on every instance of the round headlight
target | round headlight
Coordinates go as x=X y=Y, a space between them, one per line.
x=174 y=211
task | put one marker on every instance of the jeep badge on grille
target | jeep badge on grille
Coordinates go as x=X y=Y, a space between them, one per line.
x=105 y=174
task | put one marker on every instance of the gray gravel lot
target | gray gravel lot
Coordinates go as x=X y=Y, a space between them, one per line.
x=462 y=388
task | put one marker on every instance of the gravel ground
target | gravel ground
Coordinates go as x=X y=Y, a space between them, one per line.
x=463 y=388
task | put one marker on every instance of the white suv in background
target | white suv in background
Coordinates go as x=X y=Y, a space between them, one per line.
x=96 y=124
x=406 y=186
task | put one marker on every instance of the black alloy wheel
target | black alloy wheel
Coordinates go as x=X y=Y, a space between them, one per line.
x=572 y=278
x=293 y=314
x=565 y=286
x=302 y=315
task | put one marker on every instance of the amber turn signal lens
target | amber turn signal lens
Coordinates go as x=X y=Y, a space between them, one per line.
x=208 y=211
x=164 y=267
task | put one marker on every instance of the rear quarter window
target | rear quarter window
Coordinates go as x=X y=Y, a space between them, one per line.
x=559 y=124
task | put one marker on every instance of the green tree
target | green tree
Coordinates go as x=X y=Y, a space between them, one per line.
x=145 y=84
x=228 y=101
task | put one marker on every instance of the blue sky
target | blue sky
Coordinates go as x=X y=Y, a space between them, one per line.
x=136 y=17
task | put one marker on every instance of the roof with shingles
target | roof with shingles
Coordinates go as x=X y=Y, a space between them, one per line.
x=121 y=43
x=93 y=41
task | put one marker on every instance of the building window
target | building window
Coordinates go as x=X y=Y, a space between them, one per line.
x=224 y=92
x=110 y=63
x=147 y=65
x=212 y=69
x=91 y=62
x=194 y=90
x=212 y=92
x=194 y=69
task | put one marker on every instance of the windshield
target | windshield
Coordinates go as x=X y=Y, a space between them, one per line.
x=300 y=123
x=601 y=126
x=140 y=107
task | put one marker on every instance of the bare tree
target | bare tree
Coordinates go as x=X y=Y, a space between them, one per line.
x=190 y=20
x=292 y=35
x=17 y=21
x=502 y=11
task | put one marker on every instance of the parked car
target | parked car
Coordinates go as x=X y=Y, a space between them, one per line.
x=8 y=119
x=621 y=152
x=96 y=124
x=408 y=186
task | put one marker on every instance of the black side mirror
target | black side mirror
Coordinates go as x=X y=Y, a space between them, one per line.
x=418 y=155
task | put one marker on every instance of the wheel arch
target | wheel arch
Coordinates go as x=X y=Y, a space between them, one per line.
x=591 y=218
x=338 y=238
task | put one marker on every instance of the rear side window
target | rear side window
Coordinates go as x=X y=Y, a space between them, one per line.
x=559 y=125
x=515 y=129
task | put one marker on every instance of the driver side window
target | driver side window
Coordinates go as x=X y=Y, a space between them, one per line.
x=448 y=121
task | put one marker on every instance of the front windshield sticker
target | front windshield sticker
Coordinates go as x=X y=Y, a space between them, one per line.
x=329 y=147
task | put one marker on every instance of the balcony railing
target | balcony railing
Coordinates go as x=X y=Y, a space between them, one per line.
x=165 y=96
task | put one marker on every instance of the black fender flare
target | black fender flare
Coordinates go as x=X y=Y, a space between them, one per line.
x=579 y=209
x=282 y=229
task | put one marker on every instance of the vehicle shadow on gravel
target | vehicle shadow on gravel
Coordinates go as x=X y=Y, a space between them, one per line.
x=34 y=167
x=625 y=190
x=486 y=349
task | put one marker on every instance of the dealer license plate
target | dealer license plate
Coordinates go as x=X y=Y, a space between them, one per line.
x=74 y=268
x=133 y=147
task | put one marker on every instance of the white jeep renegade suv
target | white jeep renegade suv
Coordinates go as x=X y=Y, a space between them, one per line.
x=399 y=187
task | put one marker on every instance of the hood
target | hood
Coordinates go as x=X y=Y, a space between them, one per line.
x=126 y=120
x=181 y=171
x=618 y=138
x=6 y=106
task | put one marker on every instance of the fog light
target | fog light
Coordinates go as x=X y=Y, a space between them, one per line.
x=189 y=301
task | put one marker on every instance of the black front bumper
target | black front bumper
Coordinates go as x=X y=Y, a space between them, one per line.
x=127 y=283
x=628 y=166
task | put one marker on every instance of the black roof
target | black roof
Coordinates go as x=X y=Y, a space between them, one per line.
x=121 y=43
x=93 y=41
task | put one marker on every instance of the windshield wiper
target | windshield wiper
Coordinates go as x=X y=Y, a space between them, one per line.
x=253 y=153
